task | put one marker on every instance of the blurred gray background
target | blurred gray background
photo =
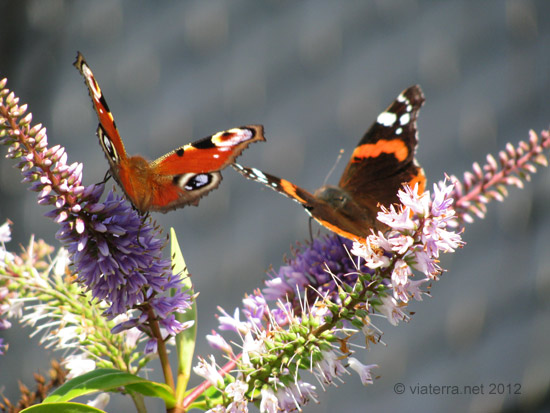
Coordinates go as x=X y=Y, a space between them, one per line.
x=316 y=74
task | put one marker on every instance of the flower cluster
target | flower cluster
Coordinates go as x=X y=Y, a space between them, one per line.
x=115 y=252
x=309 y=309
x=38 y=291
x=310 y=271
x=418 y=234
x=304 y=317
x=490 y=182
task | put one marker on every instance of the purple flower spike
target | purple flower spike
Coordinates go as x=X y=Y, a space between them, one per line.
x=116 y=253
x=314 y=266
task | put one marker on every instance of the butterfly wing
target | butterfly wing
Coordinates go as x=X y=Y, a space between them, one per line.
x=166 y=193
x=384 y=158
x=186 y=174
x=318 y=209
x=107 y=132
x=209 y=154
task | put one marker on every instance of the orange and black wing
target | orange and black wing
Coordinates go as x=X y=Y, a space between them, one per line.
x=188 y=173
x=318 y=209
x=107 y=132
x=384 y=158
x=209 y=154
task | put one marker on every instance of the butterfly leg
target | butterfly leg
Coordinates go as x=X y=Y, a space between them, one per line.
x=105 y=178
x=310 y=230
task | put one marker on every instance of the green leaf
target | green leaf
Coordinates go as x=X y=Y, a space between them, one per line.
x=61 y=408
x=154 y=389
x=208 y=399
x=185 y=341
x=110 y=380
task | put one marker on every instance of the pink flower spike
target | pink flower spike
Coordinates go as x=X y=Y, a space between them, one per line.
x=401 y=243
x=400 y=279
x=364 y=370
x=391 y=310
x=269 y=403
x=372 y=251
x=414 y=288
x=400 y=221
x=418 y=203
x=442 y=200
x=209 y=371
x=218 y=342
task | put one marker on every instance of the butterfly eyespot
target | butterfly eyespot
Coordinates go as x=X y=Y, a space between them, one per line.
x=197 y=181
x=107 y=144
x=192 y=181
x=232 y=137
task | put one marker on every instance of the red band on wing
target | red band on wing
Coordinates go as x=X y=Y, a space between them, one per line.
x=209 y=154
x=193 y=160
x=372 y=150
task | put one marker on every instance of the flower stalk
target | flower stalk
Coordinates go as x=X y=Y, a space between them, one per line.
x=490 y=182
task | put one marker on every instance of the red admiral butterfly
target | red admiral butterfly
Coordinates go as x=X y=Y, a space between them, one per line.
x=382 y=161
x=180 y=177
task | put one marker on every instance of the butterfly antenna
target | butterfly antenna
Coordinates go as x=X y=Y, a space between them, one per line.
x=333 y=166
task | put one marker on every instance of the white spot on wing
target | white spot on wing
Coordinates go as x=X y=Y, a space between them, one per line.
x=259 y=175
x=398 y=131
x=90 y=79
x=404 y=119
x=239 y=135
x=386 y=118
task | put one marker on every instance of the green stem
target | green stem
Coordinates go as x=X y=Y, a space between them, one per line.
x=161 y=348
x=139 y=402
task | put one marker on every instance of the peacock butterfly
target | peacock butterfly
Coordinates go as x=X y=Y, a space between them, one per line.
x=380 y=164
x=180 y=177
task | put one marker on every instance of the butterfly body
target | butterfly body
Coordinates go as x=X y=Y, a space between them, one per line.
x=179 y=178
x=380 y=164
